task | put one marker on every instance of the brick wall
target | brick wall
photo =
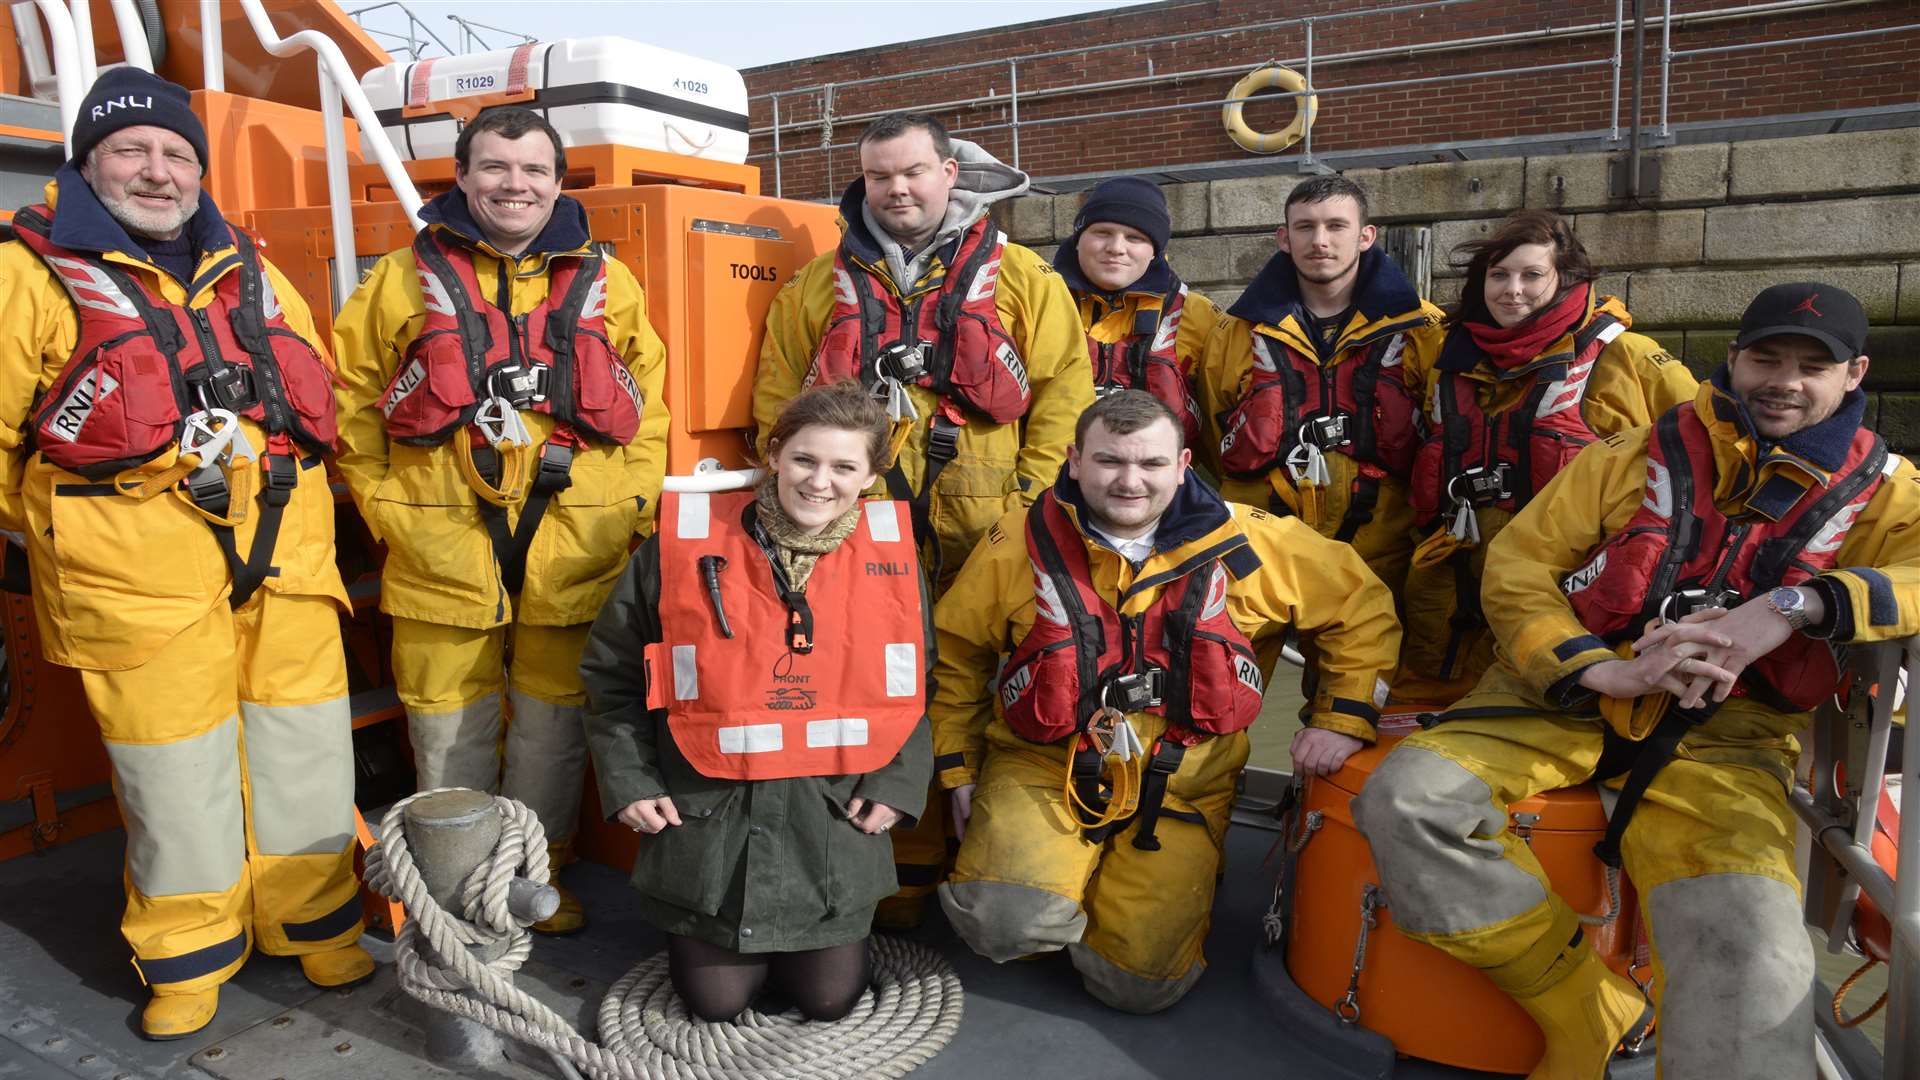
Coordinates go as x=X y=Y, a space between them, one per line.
x=1774 y=81
x=1728 y=220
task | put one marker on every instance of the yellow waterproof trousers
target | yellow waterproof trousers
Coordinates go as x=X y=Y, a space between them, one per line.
x=232 y=751
x=1028 y=880
x=1710 y=849
x=452 y=679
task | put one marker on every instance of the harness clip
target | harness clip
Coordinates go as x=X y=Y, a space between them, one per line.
x=1482 y=485
x=519 y=384
x=902 y=362
x=1135 y=691
x=1684 y=602
x=499 y=422
x=208 y=433
x=1325 y=432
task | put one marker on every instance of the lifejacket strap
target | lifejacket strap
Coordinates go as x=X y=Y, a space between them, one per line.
x=1166 y=759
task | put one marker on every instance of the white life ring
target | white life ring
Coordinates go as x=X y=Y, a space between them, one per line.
x=1268 y=77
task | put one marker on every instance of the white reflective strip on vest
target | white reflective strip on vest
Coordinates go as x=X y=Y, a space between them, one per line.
x=751 y=739
x=844 y=731
x=883 y=522
x=696 y=514
x=686 y=673
x=903 y=669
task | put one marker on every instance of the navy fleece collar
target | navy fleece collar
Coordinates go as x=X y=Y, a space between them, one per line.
x=1158 y=280
x=1380 y=291
x=1826 y=443
x=1196 y=510
x=565 y=232
x=81 y=222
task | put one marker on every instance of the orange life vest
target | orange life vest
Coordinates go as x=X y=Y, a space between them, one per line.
x=1679 y=553
x=1182 y=658
x=948 y=339
x=142 y=365
x=555 y=359
x=1146 y=360
x=823 y=682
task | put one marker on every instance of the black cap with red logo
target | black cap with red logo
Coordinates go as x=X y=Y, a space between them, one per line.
x=1826 y=313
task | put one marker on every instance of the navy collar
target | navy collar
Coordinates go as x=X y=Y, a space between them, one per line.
x=1196 y=510
x=1826 y=443
x=1158 y=280
x=81 y=222
x=1380 y=291
x=565 y=232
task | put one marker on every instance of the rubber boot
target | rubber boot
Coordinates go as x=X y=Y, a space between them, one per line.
x=176 y=1016
x=569 y=917
x=1583 y=1015
x=335 y=969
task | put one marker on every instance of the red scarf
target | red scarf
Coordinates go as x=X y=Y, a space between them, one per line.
x=1511 y=346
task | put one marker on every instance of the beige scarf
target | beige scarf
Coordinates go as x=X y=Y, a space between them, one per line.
x=794 y=550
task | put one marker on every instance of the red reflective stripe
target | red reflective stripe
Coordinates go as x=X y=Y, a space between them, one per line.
x=517 y=68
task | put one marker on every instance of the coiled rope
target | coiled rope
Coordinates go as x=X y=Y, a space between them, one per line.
x=911 y=1012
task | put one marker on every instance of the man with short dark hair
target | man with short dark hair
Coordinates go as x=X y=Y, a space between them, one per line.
x=973 y=342
x=1118 y=619
x=1666 y=609
x=166 y=402
x=505 y=437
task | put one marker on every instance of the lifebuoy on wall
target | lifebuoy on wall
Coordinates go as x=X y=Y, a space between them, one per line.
x=1263 y=78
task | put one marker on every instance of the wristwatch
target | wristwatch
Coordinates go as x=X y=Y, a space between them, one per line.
x=1791 y=605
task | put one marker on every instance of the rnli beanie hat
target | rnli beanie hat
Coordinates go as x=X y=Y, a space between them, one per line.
x=1826 y=313
x=1129 y=201
x=128 y=97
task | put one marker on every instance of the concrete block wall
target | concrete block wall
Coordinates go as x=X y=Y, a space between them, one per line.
x=1727 y=221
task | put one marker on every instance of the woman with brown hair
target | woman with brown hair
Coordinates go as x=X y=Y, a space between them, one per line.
x=757 y=689
x=1535 y=365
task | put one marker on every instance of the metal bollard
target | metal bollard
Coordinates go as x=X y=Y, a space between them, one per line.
x=449 y=834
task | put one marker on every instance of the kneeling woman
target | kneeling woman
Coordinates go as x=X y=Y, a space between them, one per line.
x=757 y=707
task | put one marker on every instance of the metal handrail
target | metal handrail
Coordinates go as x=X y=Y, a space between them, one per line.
x=67 y=67
x=1668 y=54
x=414 y=45
x=133 y=34
x=337 y=81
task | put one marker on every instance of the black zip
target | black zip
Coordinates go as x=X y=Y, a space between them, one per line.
x=503 y=299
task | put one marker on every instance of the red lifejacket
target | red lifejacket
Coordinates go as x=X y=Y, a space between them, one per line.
x=1504 y=460
x=948 y=338
x=824 y=682
x=555 y=359
x=1182 y=658
x=1679 y=553
x=1147 y=359
x=142 y=365
x=1358 y=407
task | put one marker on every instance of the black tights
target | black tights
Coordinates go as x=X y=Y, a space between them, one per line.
x=717 y=983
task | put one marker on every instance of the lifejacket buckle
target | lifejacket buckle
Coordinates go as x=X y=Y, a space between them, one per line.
x=281 y=475
x=1325 y=432
x=1684 y=602
x=499 y=422
x=232 y=388
x=1483 y=485
x=521 y=384
x=943 y=439
x=1136 y=691
x=902 y=362
x=555 y=469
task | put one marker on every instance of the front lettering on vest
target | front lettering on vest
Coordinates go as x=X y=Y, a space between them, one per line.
x=889 y=569
x=1833 y=532
x=1014 y=684
x=1566 y=391
x=596 y=303
x=126 y=101
x=407 y=383
x=1248 y=673
x=1169 y=330
x=89 y=392
x=1585 y=576
x=1263 y=356
x=1391 y=358
x=625 y=378
x=434 y=294
x=843 y=288
x=1010 y=360
x=984 y=281
x=91 y=287
x=1216 y=595
x=1046 y=598
x=1659 y=496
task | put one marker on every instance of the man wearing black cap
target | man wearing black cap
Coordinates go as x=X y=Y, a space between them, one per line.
x=1666 y=609
x=1145 y=328
x=165 y=406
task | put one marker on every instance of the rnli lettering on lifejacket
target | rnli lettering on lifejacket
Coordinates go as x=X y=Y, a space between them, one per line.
x=889 y=569
x=73 y=412
x=404 y=383
x=1586 y=575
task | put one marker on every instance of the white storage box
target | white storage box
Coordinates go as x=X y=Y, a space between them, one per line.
x=594 y=91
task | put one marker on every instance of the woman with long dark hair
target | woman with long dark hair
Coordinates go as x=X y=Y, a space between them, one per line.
x=757 y=708
x=1536 y=365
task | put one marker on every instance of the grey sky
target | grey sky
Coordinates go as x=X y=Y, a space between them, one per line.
x=737 y=33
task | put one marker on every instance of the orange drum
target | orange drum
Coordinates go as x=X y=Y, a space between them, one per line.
x=1427 y=1003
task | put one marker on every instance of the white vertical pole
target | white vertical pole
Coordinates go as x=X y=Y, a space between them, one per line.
x=346 y=270
x=213 y=60
x=133 y=33
x=67 y=65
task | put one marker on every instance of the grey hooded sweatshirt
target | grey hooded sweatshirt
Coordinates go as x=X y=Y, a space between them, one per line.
x=983 y=181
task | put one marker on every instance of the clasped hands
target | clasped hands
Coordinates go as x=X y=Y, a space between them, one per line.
x=652 y=815
x=1702 y=654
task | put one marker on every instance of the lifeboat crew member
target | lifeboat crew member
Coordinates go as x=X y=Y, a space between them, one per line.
x=757 y=687
x=1536 y=364
x=1145 y=328
x=1129 y=603
x=505 y=436
x=1308 y=378
x=1666 y=610
x=971 y=340
x=166 y=406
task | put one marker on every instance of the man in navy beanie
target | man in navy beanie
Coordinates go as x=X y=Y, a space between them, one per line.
x=1145 y=329
x=140 y=334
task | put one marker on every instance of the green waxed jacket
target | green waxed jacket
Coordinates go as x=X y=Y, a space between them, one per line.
x=754 y=866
